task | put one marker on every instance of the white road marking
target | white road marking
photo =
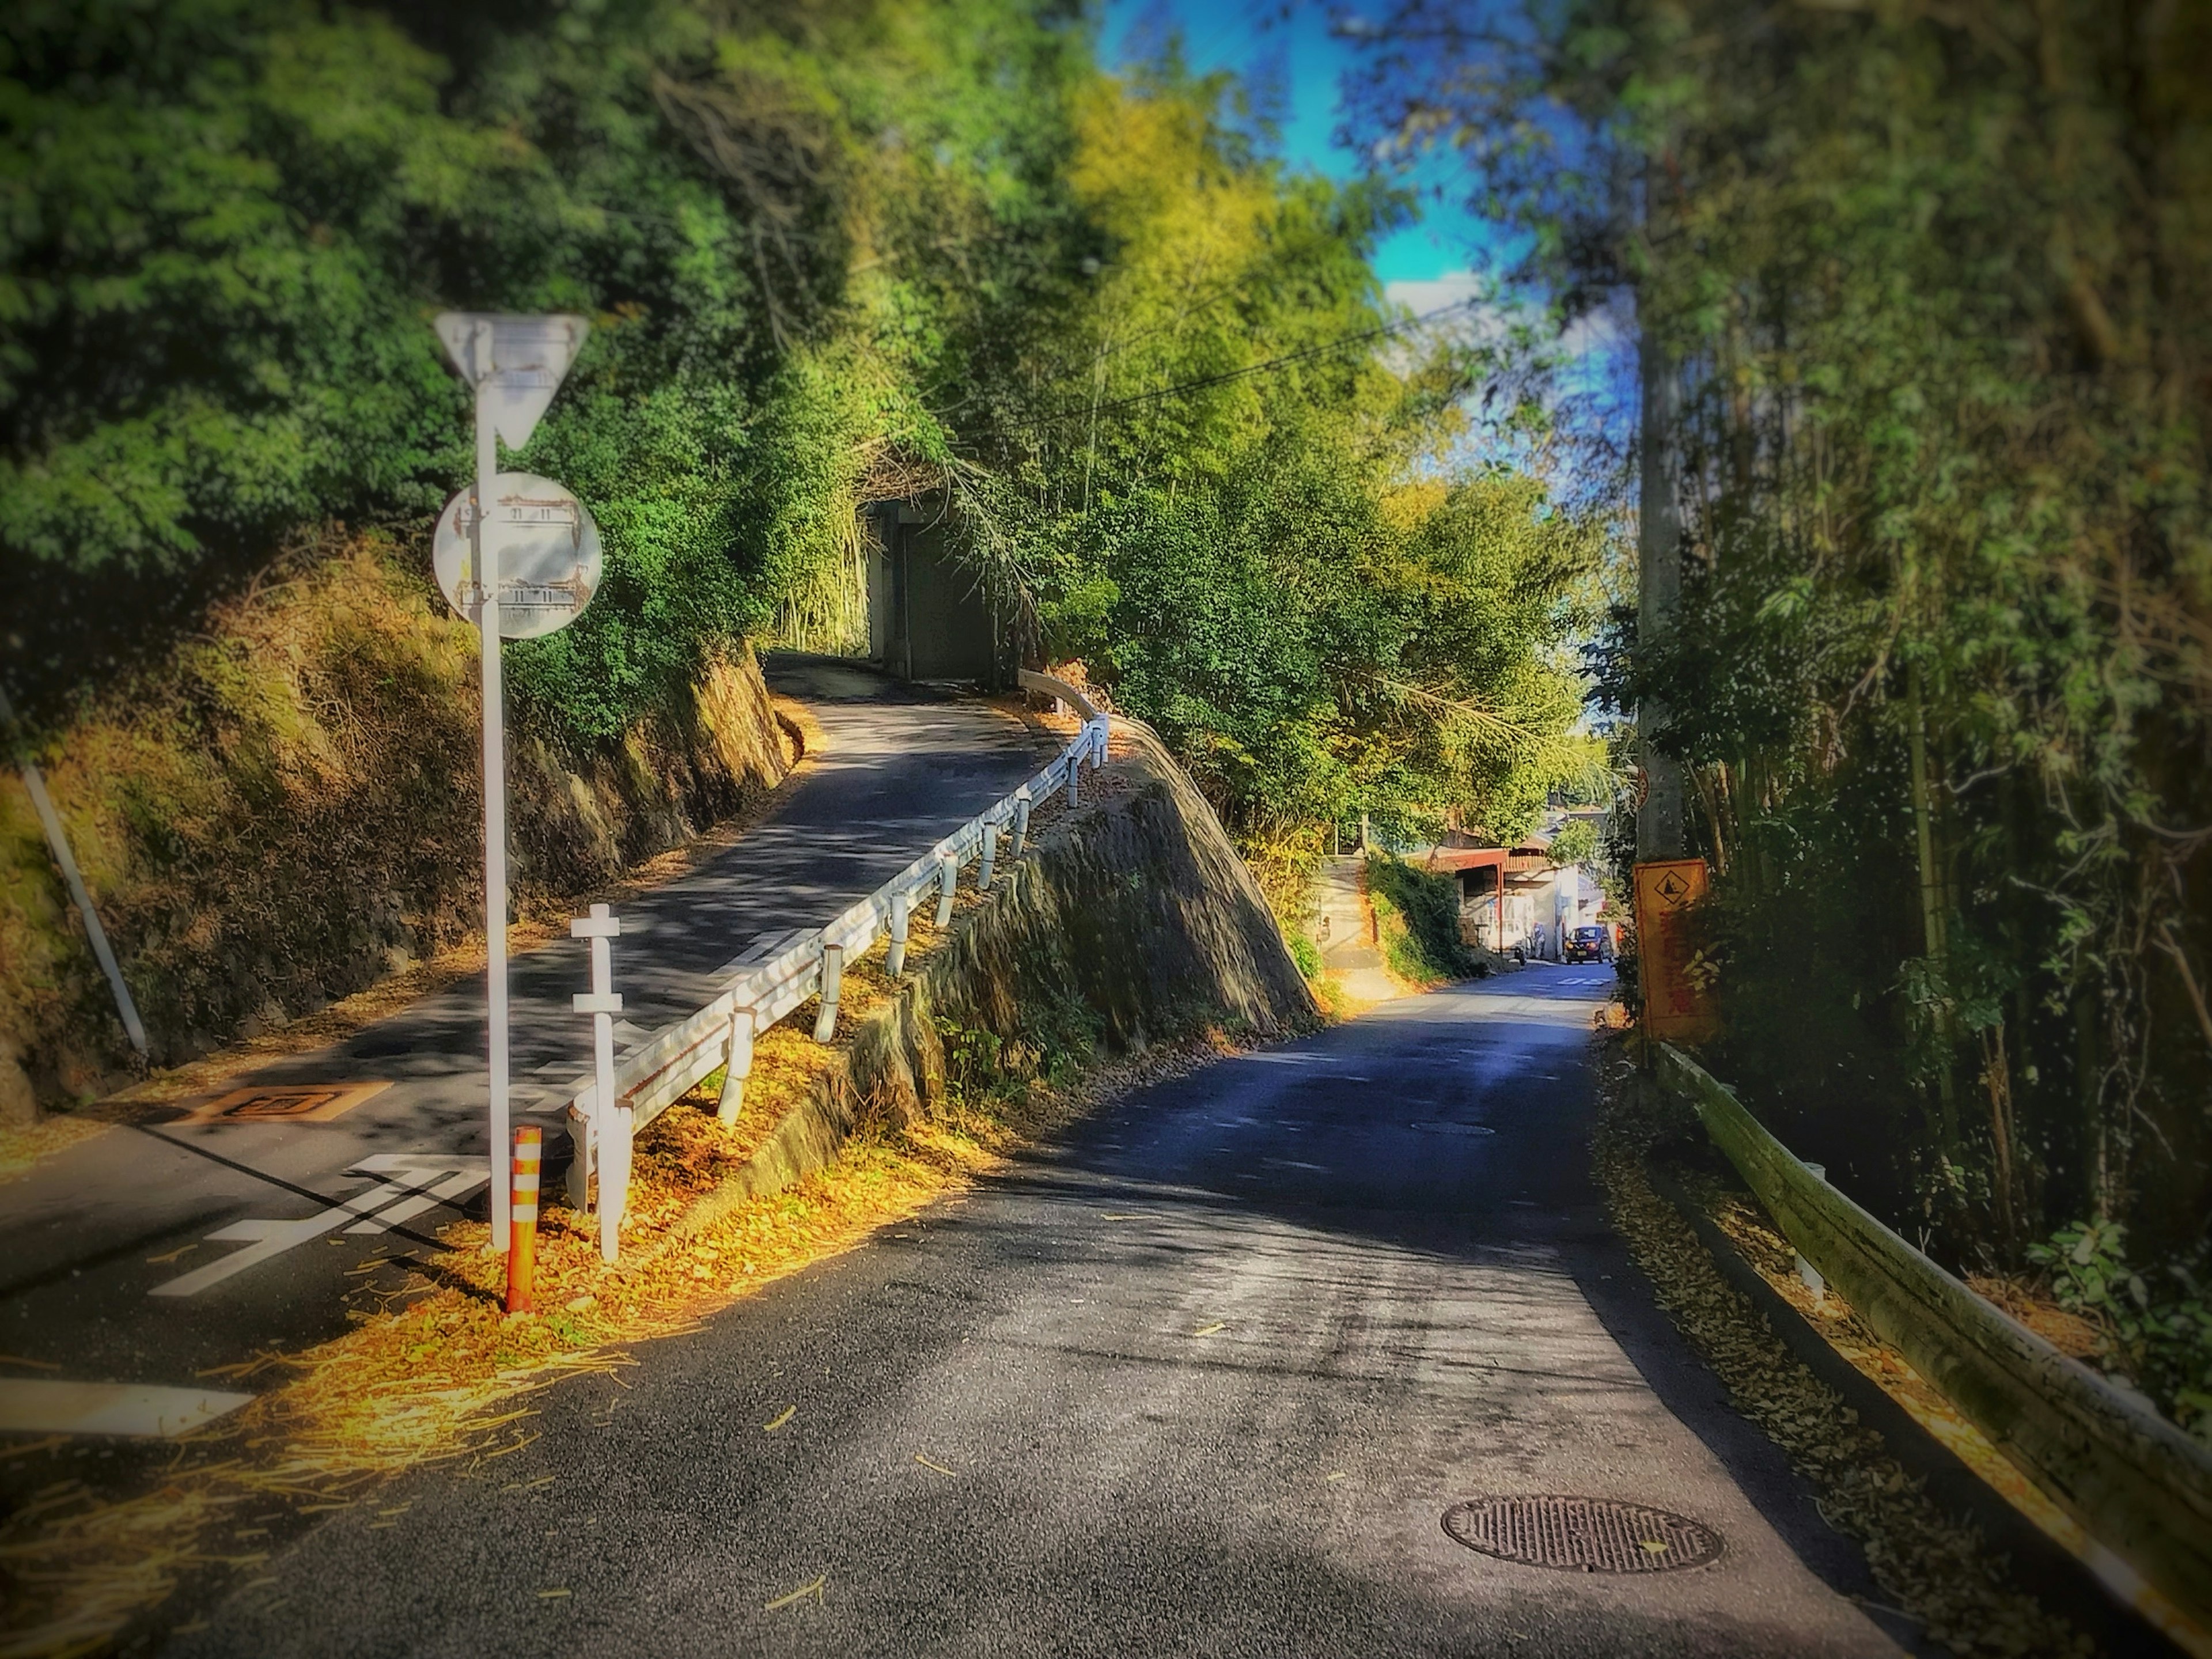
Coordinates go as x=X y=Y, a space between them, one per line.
x=452 y=1187
x=418 y=1181
x=764 y=946
x=39 y=1406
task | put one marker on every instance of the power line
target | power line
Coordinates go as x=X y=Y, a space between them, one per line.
x=1086 y=411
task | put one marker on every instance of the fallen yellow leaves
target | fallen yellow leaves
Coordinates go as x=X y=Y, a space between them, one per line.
x=22 y=1148
x=435 y=1375
x=797 y=1595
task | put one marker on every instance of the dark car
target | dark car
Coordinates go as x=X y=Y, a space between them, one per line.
x=1587 y=945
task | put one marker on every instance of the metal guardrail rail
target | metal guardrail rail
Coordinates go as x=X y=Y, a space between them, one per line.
x=677 y=1057
x=2139 y=1486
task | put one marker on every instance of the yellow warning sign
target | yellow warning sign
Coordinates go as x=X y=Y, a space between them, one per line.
x=1676 y=1005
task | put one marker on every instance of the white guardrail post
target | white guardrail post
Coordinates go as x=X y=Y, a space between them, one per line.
x=902 y=917
x=739 y=1066
x=990 y=855
x=1021 y=819
x=833 y=978
x=948 y=878
x=609 y=1122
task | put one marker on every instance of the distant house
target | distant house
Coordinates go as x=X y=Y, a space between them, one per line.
x=1514 y=897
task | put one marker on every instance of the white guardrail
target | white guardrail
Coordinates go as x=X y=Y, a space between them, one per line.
x=660 y=1071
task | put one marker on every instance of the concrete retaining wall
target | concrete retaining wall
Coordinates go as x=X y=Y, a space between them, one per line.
x=1132 y=915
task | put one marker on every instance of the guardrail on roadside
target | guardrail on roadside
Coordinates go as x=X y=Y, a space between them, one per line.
x=2139 y=1486
x=677 y=1057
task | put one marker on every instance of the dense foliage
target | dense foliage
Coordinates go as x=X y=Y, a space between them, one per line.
x=831 y=252
x=1937 y=287
x=1417 y=916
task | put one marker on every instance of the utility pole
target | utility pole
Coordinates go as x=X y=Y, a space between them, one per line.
x=1659 y=554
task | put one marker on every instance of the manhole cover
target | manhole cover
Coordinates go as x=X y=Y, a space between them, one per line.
x=1582 y=1535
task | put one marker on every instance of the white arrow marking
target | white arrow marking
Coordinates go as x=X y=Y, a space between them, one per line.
x=454 y=1186
x=445 y=1178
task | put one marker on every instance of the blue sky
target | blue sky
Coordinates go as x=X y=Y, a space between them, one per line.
x=1425 y=265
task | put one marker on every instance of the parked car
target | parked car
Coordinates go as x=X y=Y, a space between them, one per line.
x=1588 y=944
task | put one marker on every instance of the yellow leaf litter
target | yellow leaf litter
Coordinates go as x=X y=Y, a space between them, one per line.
x=435 y=1374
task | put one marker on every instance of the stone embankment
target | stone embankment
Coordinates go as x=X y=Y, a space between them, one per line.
x=1131 y=920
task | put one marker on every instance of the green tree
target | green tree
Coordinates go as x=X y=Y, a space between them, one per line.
x=1938 y=286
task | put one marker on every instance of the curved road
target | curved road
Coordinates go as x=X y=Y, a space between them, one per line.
x=899 y=766
x=1204 y=1380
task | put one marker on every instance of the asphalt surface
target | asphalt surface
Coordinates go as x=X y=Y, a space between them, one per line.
x=1204 y=1380
x=87 y=1236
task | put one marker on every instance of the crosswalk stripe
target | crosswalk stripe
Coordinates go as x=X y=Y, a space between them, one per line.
x=45 y=1405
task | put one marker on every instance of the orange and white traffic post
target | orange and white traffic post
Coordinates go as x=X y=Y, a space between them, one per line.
x=522 y=1218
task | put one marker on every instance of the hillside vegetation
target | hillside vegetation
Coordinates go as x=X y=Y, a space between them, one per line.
x=831 y=253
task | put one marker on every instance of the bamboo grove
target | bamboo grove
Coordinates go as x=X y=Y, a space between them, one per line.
x=1936 y=286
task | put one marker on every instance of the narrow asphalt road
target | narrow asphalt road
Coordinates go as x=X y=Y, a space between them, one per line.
x=1204 y=1380
x=90 y=1237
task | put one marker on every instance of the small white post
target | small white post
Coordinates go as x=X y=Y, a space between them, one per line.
x=611 y=1120
x=990 y=856
x=1021 y=819
x=833 y=977
x=1074 y=771
x=948 y=878
x=739 y=1068
x=902 y=915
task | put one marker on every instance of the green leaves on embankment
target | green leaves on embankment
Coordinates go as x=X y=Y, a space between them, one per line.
x=831 y=254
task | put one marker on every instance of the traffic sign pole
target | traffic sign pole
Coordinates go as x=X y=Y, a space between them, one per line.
x=514 y=364
x=495 y=806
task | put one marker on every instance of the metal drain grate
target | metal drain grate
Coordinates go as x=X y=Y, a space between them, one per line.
x=297 y=1103
x=1582 y=1535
